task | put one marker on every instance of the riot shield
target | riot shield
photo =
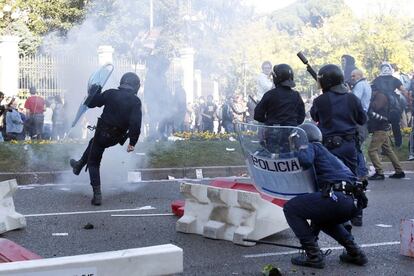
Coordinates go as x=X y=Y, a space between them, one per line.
x=98 y=78
x=271 y=155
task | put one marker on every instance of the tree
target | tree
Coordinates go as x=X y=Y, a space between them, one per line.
x=30 y=19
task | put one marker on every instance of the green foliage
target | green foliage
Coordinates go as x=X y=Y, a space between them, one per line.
x=230 y=41
x=30 y=19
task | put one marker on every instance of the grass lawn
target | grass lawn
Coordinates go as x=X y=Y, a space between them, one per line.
x=43 y=156
x=54 y=157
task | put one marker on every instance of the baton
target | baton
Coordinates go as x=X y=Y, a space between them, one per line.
x=253 y=100
x=274 y=243
x=308 y=67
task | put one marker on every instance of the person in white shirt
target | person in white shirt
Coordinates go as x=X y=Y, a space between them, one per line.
x=264 y=80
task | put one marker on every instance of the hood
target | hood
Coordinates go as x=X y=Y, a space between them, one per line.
x=386 y=69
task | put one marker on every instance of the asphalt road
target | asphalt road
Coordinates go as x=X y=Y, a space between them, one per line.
x=57 y=213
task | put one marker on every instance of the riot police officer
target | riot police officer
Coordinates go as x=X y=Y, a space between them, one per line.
x=328 y=208
x=281 y=105
x=338 y=114
x=120 y=120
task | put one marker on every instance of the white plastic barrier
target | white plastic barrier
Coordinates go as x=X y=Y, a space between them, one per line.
x=155 y=260
x=228 y=214
x=407 y=237
x=9 y=218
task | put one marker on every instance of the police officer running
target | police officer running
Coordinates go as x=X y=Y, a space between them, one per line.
x=328 y=208
x=120 y=119
x=338 y=114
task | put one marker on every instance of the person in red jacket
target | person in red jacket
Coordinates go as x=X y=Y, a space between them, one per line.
x=35 y=106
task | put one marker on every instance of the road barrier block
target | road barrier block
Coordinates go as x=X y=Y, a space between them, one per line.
x=229 y=214
x=164 y=259
x=9 y=218
x=12 y=252
x=407 y=237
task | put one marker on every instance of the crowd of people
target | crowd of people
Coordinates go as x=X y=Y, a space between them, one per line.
x=34 y=118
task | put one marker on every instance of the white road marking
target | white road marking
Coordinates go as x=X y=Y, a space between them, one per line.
x=88 y=212
x=143 y=215
x=325 y=248
x=383 y=225
x=60 y=234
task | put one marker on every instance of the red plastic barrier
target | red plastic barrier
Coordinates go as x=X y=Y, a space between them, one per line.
x=12 y=252
x=177 y=206
x=231 y=184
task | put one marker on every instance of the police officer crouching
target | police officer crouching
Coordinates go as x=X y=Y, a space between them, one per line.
x=327 y=208
x=120 y=120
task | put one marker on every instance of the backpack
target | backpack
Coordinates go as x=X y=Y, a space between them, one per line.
x=394 y=100
x=405 y=80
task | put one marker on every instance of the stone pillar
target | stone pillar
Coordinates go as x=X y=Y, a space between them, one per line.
x=105 y=54
x=187 y=61
x=9 y=65
x=216 y=92
x=197 y=83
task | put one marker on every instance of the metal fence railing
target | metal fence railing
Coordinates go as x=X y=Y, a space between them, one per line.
x=45 y=72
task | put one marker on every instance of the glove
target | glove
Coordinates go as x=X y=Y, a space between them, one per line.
x=362 y=201
x=359 y=194
x=94 y=89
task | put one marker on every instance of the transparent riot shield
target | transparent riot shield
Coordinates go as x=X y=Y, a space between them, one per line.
x=271 y=154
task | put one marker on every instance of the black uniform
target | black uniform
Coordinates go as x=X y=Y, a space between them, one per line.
x=122 y=113
x=280 y=106
x=339 y=113
x=120 y=119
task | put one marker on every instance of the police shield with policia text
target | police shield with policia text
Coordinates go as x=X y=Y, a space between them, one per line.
x=120 y=120
x=338 y=198
x=313 y=182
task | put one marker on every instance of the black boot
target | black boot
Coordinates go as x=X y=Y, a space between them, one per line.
x=353 y=254
x=76 y=166
x=97 y=196
x=312 y=257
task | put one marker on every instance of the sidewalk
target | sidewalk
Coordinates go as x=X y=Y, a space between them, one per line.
x=24 y=178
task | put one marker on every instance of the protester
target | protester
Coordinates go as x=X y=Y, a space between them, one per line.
x=208 y=114
x=47 y=121
x=348 y=65
x=58 y=119
x=264 y=80
x=35 y=106
x=14 y=122
x=388 y=84
x=379 y=126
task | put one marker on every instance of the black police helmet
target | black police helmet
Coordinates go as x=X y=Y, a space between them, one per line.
x=130 y=81
x=283 y=75
x=312 y=132
x=330 y=75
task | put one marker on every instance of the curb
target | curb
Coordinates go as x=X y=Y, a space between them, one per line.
x=24 y=178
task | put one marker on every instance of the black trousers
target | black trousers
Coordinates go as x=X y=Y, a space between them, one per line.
x=325 y=214
x=92 y=156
